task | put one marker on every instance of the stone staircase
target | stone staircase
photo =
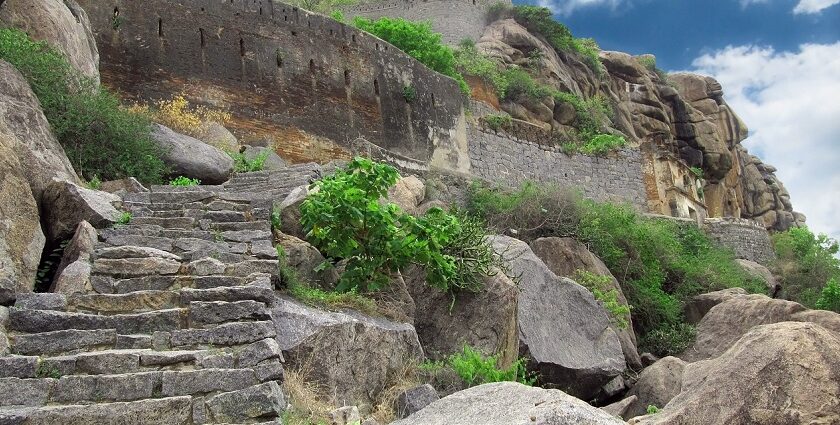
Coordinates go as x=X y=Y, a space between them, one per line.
x=177 y=329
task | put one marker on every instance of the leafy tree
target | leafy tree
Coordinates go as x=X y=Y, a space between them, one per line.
x=830 y=297
x=806 y=263
x=418 y=41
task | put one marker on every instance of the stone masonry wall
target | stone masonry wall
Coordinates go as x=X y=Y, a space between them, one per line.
x=303 y=83
x=748 y=239
x=501 y=158
x=454 y=19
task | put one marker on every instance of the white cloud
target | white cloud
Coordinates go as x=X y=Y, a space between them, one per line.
x=804 y=6
x=566 y=7
x=791 y=103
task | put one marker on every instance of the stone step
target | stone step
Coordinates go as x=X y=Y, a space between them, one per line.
x=157 y=242
x=203 y=313
x=229 y=293
x=34 y=321
x=228 y=334
x=135 y=267
x=262 y=225
x=182 y=196
x=166 y=223
x=111 y=285
x=66 y=341
x=133 y=302
x=170 y=410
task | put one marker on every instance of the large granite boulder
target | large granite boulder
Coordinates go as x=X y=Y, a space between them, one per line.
x=62 y=24
x=656 y=386
x=727 y=322
x=760 y=272
x=189 y=157
x=408 y=193
x=563 y=331
x=353 y=355
x=73 y=273
x=68 y=204
x=216 y=135
x=21 y=238
x=304 y=259
x=290 y=214
x=29 y=134
x=699 y=305
x=782 y=373
x=272 y=160
x=485 y=320
x=509 y=403
x=565 y=257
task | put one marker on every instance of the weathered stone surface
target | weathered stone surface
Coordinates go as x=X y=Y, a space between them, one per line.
x=136 y=267
x=207 y=313
x=269 y=370
x=216 y=135
x=304 y=258
x=259 y=351
x=41 y=301
x=414 y=399
x=132 y=251
x=371 y=349
x=73 y=274
x=206 y=381
x=168 y=411
x=18 y=366
x=249 y=267
x=408 y=193
x=62 y=24
x=485 y=320
x=347 y=415
x=67 y=204
x=564 y=257
x=562 y=329
x=782 y=373
x=166 y=358
x=127 y=387
x=25 y=392
x=231 y=294
x=123 y=186
x=263 y=400
x=272 y=160
x=290 y=212
x=509 y=403
x=763 y=273
x=108 y=362
x=192 y=158
x=619 y=408
x=128 y=342
x=656 y=386
x=206 y=267
x=699 y=305
x=62 y=341
x=46 y=321
x=225 y=334
x=725 y=323
x=134 y=302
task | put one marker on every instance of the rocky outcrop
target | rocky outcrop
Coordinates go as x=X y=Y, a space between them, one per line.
x=564 y=257
x=656 y=386
x=369 y=350
x=763 y=273
x=290 y=214
x=62 y=24
x=192 y=158
x=699 y=305
x=486 y=320
x=27 y=131
x=509 y=403
x=563 y=331
x=216 y=135
x=780 y=373
x=408 y=193
x=304 y=259
x=73 y=273
x=728 y=321
x=272 y=160
x=69 y=204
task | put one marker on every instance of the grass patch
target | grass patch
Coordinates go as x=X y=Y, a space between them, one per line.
x=241 y=163
x=476 y=369
x=184 y=181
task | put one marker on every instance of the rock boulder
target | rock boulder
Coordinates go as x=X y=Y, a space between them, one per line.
x=656 y=386
x=73 y=273
x=67 y=205
x=192 y=158
x=562 y=330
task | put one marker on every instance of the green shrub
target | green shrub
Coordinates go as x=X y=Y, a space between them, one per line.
x=601 y=287
x=805 y=264
x=497 y=122
x=409 y=93
x=830 y=297
x=669 y=340
x=697 y=171
x=601 y=144
x=100 y=137
x=241 y=163
x=125 y=218
x=184 y=181
x=418 y=41
x=94 y=183
x=652 y=410
x=476 y=369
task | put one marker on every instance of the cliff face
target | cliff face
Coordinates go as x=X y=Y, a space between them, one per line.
x=684 y=114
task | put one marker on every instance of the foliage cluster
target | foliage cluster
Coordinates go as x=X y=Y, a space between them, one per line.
x=418 y=41
x=497 y=122
x=241 y=163
x=346 y=219
x=100 y=137
x=669 y=340
x=601 y=287
x=806 y=264
x=658 y=263
x=184 y=181
x=649 y=62
x=829 y=297
x=476 y=369
x=409 y=93
x=177 y=114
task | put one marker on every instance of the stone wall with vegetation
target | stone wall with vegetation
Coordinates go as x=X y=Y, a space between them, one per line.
x=747 y=238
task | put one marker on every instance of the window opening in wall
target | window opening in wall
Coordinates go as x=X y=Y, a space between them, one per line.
x=160 y=27
x=675 y=212
x=692 y=213
x=376 y=87
x=686 y=182
x=294 y=33
x=346 y=77
x=241 y=47
x=354 y=38
x=312 y=66
x=433 y=99
x=278 y=55
x=201 y=31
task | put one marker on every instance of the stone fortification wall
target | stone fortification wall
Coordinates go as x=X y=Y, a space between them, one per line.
x=502 y=158
x=749 y=239
x=302 y=83
x=456 y=20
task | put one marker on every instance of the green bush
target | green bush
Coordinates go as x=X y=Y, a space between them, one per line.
x=100 y=137
x=476 y=369
x=830 y=297
x=601 y=144
x=184 y=181
x=125 y=218
x=601 y=288
x=409 y=93
x=669 y=339
x=805 y=264
x=497 y=122
x=241 y=163
x=418 y=41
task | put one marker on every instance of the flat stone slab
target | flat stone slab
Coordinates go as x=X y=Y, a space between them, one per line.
x=226 y=334
x=63 y=341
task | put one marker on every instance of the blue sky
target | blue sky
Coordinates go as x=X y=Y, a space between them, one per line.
x=778 y=62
